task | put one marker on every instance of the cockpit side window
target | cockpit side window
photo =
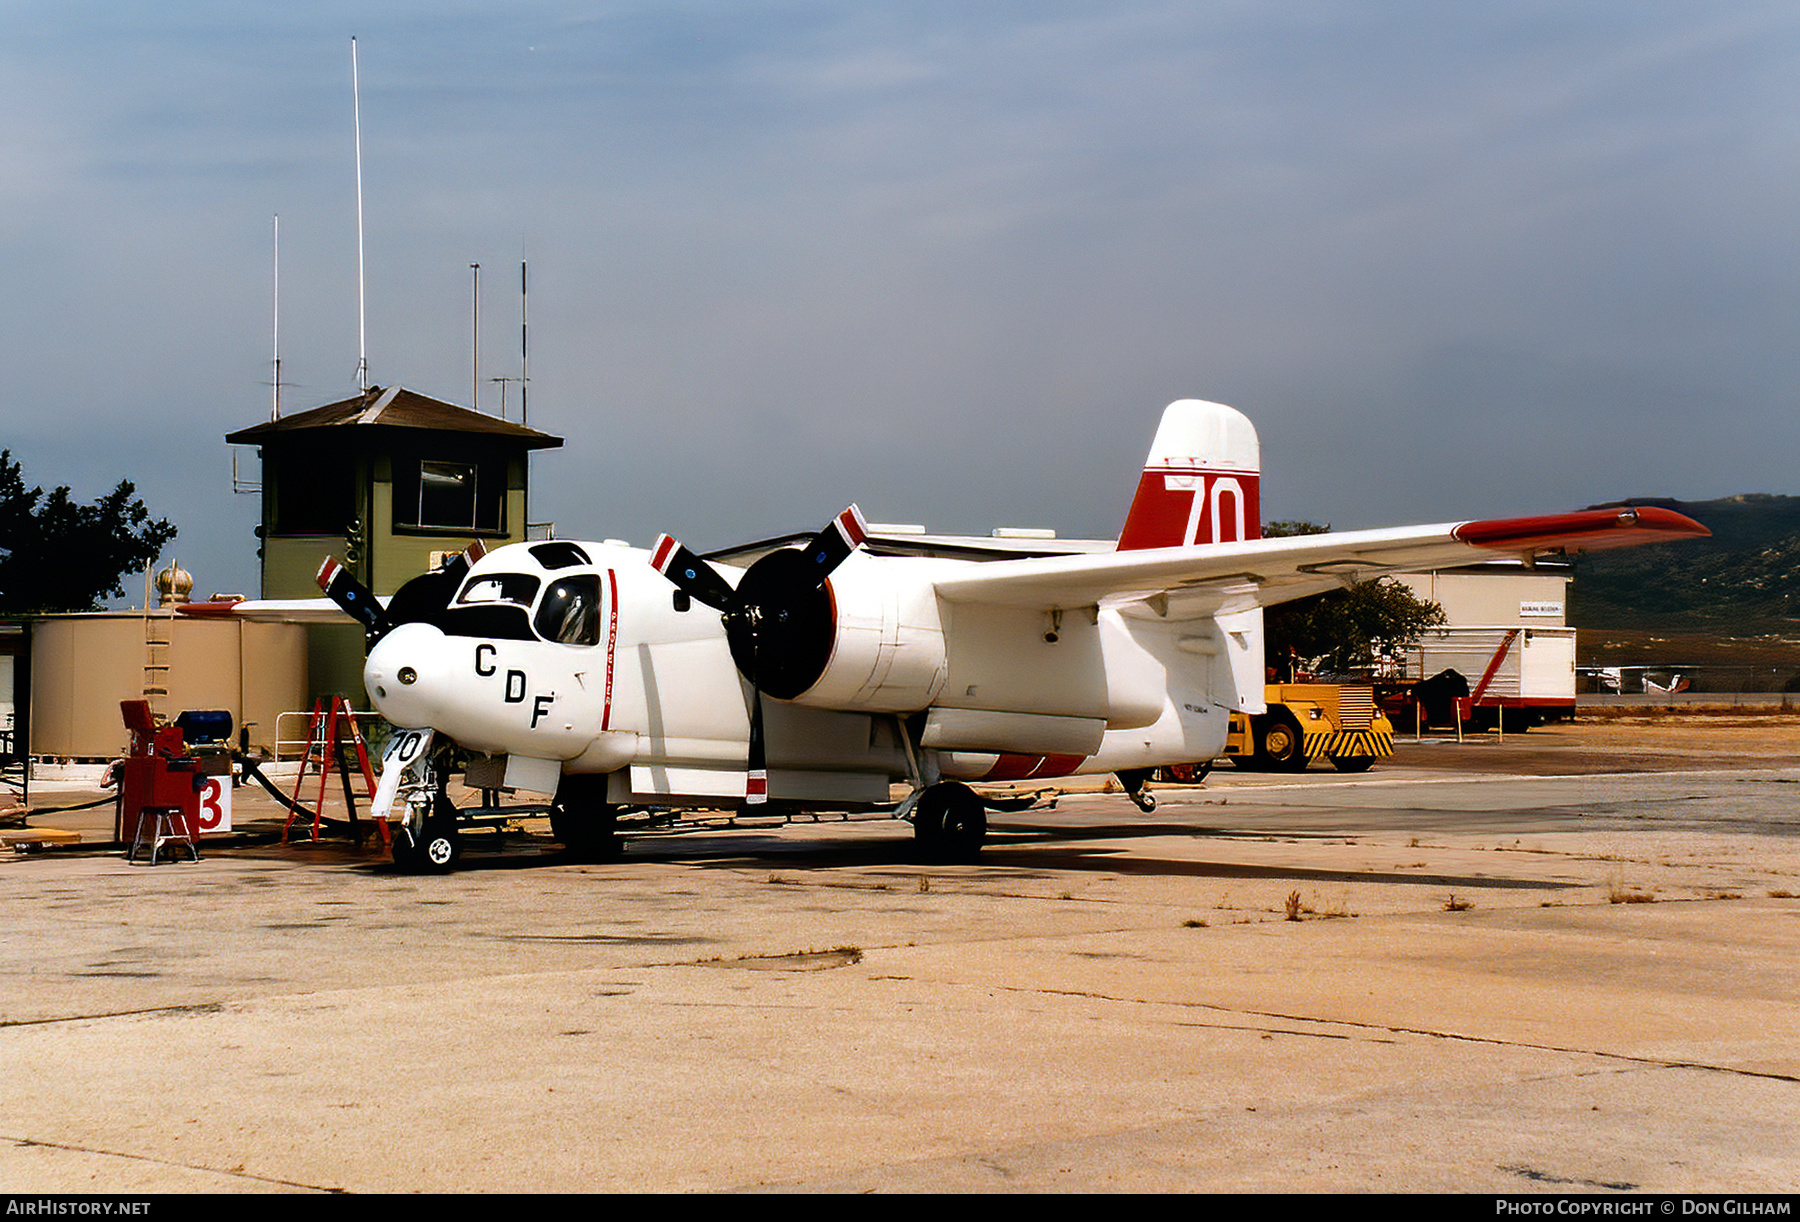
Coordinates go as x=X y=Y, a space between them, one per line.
x=570 y=612
x=515 y=588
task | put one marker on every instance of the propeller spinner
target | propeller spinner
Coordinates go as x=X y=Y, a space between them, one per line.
x=779 y=621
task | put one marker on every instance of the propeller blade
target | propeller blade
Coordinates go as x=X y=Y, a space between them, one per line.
x=780 y=605
x=692 y=575
x=756 y=766
x=831 y=546
x=756 y=771
x=353 y=598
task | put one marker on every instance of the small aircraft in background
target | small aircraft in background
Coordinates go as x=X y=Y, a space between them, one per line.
x=816 y=673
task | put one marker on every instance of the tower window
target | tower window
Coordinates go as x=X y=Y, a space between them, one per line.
x=445 y=495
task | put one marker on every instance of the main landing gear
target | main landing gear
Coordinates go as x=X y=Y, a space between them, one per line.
x=949 y=823
x=582 y=820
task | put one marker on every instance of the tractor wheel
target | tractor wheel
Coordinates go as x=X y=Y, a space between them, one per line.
x=1280 y=745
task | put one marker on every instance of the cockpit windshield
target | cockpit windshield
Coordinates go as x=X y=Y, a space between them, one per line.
x=499 y=605
x=570 y=612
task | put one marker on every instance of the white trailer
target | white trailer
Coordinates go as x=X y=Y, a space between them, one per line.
x=1527 y=672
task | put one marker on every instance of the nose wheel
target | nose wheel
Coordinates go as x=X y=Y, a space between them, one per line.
x=431 y=849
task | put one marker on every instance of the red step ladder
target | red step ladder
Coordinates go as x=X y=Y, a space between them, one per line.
x=331 y=728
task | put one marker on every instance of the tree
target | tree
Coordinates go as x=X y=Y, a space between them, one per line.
x=58 y=555
x=1342 y=630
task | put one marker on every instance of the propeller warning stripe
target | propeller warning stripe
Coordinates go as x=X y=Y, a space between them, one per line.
x=852 y=527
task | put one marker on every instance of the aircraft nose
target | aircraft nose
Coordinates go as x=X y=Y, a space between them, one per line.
x=401 y=675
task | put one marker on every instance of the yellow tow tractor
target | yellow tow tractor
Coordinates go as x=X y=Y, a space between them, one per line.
x=1304 y=721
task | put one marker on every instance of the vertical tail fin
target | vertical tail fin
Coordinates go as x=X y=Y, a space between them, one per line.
x=1200 y=482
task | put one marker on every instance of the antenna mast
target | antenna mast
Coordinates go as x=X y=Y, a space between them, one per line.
x=475 y=341
x=275 y=385
x=362 y=328
x=524 y=334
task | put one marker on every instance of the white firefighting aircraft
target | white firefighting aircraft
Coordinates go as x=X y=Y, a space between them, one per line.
x=816 y=676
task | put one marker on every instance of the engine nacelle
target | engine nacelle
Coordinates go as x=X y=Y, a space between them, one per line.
x=887 y=639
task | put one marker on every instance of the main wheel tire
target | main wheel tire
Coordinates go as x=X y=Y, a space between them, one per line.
x=928 y=826
x=1280 y=745
x=950 y=823
x=582 y=821
x=965 y=825
x=1352 y=763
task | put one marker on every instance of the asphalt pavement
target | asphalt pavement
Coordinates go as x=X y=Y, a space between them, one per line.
x=1411 y=980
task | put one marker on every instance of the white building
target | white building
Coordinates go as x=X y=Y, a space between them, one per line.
x=1507 y=634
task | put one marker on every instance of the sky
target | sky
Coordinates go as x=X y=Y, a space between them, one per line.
x=948 y=261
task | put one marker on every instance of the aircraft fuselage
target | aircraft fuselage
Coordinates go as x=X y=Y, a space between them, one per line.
x=594 y=662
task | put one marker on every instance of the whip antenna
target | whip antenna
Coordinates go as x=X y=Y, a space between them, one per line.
x=362 y=326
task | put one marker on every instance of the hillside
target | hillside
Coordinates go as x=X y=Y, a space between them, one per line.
x=1744 y=581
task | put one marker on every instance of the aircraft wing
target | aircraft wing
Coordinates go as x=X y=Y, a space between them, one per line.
x=269 y=610
x=1182 y=582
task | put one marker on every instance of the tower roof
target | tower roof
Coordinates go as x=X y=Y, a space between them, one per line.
x=396 y=407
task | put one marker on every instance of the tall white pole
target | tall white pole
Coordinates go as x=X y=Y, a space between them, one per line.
x=362 y=328
x=475 y=341
x=275 y=382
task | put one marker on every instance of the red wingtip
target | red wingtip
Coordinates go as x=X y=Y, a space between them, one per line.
x=1587 y=530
